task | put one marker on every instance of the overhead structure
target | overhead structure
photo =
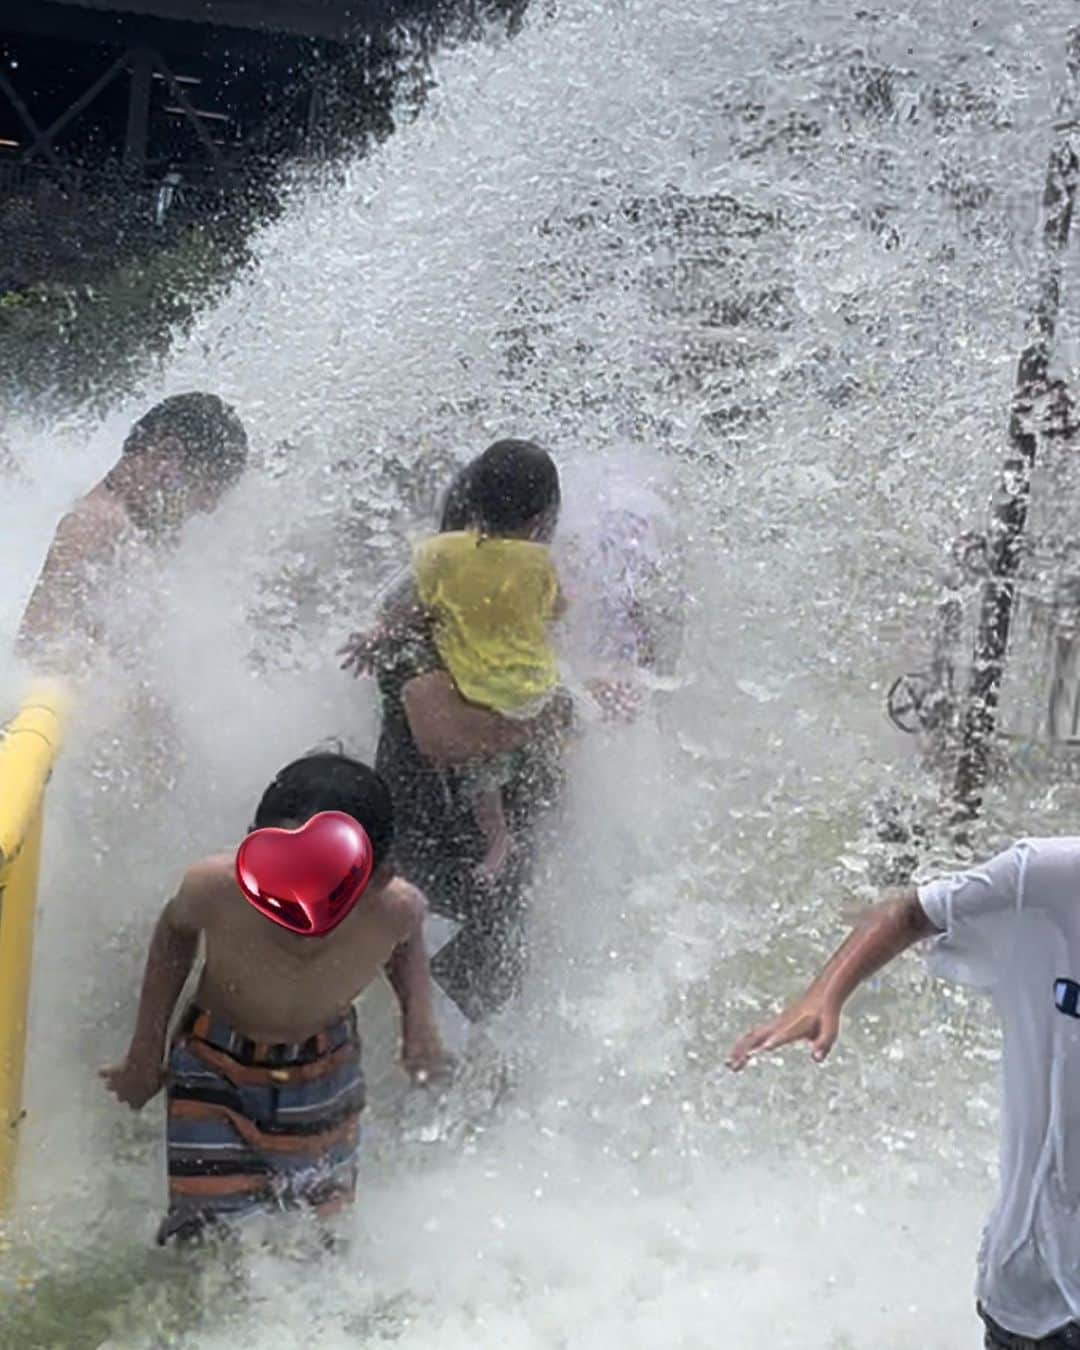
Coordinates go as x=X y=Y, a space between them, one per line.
x=150 y=111
x=163 y=85
x=336 y=20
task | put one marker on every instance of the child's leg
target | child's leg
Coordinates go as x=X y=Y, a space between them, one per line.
x=483 y=783
x=487 y=806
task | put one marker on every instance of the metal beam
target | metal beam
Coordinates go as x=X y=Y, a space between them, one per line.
x=80 y=105
x=177 y=91
x=138 y=119
x=63 y=23
x=7 y=88
x=337 y=20
x=1010 y=507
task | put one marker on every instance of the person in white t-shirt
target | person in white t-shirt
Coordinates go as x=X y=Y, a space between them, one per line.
x=1010 y=927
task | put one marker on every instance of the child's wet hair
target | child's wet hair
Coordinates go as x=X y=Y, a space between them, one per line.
x=330 y=782
x=510 y=485
x=211 y=438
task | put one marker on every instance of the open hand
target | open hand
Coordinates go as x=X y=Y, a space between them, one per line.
x=134 y=1082
x=618 y=700
x=361 y=651
x=811 y=1018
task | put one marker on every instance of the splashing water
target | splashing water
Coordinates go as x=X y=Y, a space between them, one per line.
x=775 y=257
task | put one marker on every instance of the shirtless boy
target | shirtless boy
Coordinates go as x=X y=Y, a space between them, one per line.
x=264 y=1080
x=178 y=459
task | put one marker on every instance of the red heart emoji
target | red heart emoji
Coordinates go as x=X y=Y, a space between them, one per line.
x=306 y=880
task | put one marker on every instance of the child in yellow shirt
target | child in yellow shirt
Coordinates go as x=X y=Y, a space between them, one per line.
x=492 y=592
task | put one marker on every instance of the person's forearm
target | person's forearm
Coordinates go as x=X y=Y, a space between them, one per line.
x=409 y=974
x=885 y=931
x=882 y=934
x=399 y=607
x=168 y=965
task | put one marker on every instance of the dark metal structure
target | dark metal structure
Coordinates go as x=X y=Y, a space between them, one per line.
x=1014 y=569
x=117 y=112
x=1010 y=508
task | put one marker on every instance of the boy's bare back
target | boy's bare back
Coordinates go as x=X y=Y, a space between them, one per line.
x=275 y=986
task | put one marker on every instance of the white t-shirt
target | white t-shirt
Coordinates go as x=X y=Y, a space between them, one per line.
x=1012 y=927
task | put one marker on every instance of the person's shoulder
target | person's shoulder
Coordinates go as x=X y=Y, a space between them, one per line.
x=1037 y=853
x=436 y=550
x=403 y=904
x=521 y=548
x=528 y=555
x=204 y=885
x=1031 y=873
x=92 y=525
x=1030 y=848
x=435 y=545
x=540 y=561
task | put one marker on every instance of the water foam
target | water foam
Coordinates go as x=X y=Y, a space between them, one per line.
x=781 y=249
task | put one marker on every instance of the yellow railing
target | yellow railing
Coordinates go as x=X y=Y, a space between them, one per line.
x=28 y=748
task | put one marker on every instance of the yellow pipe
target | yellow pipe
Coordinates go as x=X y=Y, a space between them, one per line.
x=17 y=900
x=28 y=749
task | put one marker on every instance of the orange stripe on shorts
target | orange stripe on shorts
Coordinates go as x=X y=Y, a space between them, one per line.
x=314 y=1144
x=238 y=1183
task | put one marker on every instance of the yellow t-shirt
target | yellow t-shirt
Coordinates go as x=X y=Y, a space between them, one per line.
x=492 y=601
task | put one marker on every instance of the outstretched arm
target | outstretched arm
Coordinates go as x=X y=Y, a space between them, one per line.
x=172 y=952
x=398 y=614
x=882 y=934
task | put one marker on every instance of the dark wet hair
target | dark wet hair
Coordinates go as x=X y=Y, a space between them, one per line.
x=330 y=782
x=212 y=441
x=503 y=489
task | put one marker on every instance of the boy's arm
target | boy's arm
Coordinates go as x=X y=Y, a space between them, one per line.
x=172 y=951
x=61 y=603
x=409 y=973
x=882 y=934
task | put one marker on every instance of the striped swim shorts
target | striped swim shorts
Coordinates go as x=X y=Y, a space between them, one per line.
x=256 y=1127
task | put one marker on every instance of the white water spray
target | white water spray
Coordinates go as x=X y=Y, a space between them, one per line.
x=780 y=251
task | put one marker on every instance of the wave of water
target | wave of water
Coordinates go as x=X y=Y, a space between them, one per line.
x=783 y=253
